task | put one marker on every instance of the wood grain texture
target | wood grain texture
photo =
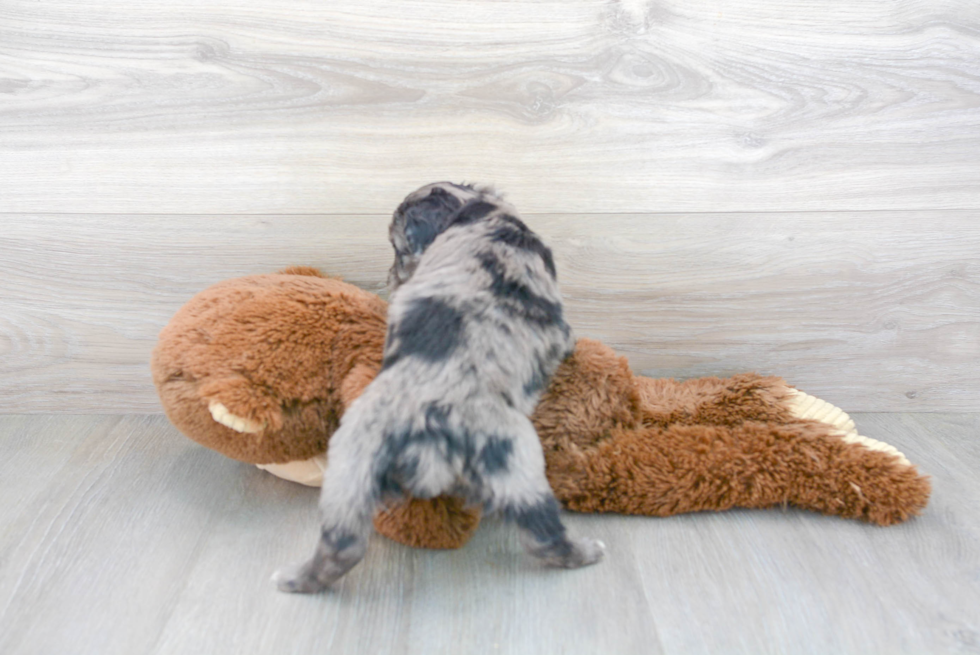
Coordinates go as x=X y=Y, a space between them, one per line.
x=127 y=538
x=572 y=105
x=84 y=297
x=870 y=311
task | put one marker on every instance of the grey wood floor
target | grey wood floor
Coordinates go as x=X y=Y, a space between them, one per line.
x=120 y=536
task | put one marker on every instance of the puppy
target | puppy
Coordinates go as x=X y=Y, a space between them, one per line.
x=475 y=330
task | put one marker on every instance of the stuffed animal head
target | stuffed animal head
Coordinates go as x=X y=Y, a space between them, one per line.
x=425 y=214
x=261 y=368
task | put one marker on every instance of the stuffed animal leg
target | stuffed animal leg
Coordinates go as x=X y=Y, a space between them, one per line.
x=714 y=444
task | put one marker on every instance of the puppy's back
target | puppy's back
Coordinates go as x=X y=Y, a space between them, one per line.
x=482 y=312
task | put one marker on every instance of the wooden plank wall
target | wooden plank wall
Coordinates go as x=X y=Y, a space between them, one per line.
x=791 y=187
x=867 y=310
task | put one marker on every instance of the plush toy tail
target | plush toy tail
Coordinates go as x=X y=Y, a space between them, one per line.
x=798 y=451
x=662 y=472
x=886 y=487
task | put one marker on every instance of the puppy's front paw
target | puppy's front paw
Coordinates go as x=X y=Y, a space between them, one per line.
x=298 y=579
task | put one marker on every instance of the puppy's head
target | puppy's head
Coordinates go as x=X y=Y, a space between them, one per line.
x=423 y=216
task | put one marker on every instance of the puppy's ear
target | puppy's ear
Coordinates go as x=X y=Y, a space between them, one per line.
x=473 y=211
x=427 y=218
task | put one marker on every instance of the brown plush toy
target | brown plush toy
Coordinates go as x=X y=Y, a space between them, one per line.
x=261 y=368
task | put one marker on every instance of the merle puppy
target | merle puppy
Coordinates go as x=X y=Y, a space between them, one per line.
x=475 y=330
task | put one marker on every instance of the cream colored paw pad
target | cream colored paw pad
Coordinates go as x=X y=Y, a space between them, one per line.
x=221 y=414
x=805 y=406
x=307 y=471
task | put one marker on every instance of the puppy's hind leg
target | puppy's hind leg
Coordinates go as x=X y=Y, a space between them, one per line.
x=337 y=552
x=545 y=537
x=347 y=503
x=514 y=472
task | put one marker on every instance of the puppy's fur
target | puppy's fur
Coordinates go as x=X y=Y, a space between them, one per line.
x=475 y=330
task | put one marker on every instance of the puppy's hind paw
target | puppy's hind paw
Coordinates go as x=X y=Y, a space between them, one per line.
x=583 y=553
x=298 y=579
x=568 y=554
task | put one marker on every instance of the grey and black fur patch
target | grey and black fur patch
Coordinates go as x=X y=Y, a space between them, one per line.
x=476 y=329
x=516 y=234
x=430 y=329
x=337 y=539
x=516 y=297
x=495 y=455
x=541 y=519
x=398 y=466
x=473 y=211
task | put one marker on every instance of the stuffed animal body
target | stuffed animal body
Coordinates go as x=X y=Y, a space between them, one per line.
x=261 y=368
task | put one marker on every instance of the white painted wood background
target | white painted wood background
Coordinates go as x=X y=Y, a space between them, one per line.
x=869 y=311
x=791 y=187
